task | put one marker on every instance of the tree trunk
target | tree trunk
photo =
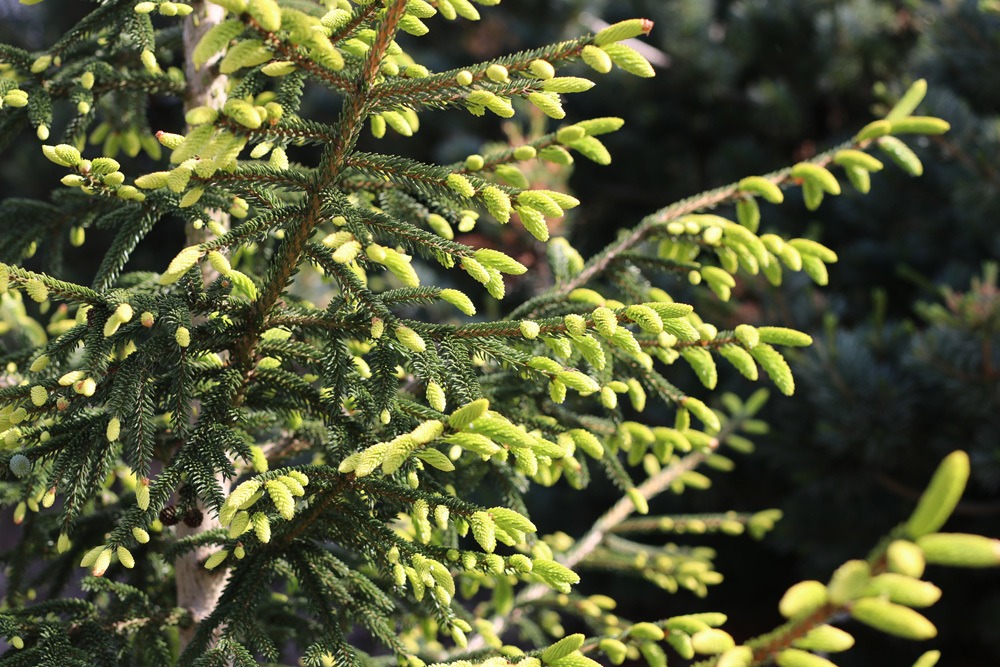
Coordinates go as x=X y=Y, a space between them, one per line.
x=198 y=589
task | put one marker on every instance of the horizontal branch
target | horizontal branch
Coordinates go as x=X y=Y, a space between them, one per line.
x=704 y=201
x=517 y=62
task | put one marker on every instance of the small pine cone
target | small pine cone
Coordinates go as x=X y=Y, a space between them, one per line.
x=168 y=515
x=193 y=517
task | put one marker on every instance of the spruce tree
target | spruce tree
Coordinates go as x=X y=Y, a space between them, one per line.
x=250 y=476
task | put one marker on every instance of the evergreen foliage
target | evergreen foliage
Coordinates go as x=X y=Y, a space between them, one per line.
x=250 y=476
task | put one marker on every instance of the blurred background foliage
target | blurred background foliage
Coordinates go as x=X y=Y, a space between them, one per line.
x=907 y=356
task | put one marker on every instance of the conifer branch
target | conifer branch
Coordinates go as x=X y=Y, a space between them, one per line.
x=384 y=34
x=361 y=16
x=708 y=344
x=334 y=161
x=519 y=62
x=246 y=175
x=650 y=524
x=505 y=156
x=585 y=546
x=624 y=508
x=652 y=223
x=64 y=291
x=767 y=646
x=334 y=80
x=288 y=129
x=441 y=97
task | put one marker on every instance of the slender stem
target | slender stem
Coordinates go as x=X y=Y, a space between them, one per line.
x=624 y=508
x=651 y=524
x=600 y=263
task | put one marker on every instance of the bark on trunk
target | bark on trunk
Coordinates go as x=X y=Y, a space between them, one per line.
x=198 y=589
